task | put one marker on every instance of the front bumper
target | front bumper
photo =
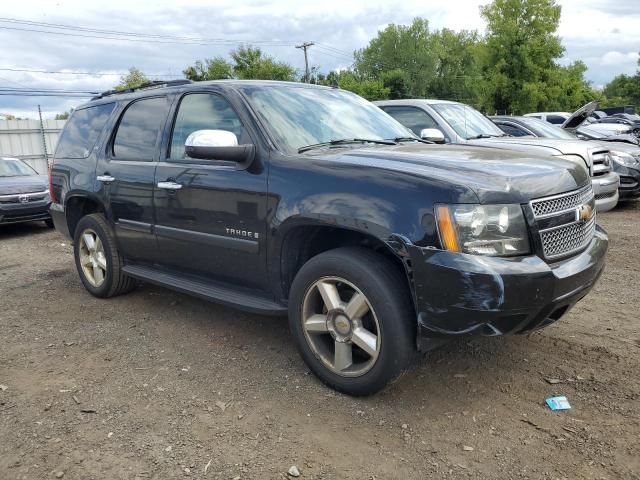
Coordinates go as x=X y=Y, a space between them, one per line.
x=605 y=188
x=629 y=181
x=458 y=294
x=29 y=212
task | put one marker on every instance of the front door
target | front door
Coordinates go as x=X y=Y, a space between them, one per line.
x=128 y=175
x=210 y=215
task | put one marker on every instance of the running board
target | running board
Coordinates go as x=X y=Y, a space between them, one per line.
x=213 y=292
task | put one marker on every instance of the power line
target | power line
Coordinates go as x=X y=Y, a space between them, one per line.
x=134 y=37
x=97 y=74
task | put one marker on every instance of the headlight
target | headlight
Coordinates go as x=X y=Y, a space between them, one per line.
x=494 y=230
x=624 y=158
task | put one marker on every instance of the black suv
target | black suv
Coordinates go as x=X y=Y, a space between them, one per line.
x=290 y=198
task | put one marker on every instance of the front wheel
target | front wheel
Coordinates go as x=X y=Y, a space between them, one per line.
x=351 y=315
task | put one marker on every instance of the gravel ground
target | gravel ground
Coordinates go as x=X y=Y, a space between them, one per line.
x=158 y=385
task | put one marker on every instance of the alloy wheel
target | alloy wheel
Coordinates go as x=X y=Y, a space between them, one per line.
x=92 y=258
x=341 y=327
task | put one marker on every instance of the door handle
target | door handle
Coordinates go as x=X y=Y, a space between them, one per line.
x=105 y=178
x=169 y=185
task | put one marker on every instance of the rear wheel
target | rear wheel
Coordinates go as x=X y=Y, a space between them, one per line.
x=98 y=261
x=352 y=316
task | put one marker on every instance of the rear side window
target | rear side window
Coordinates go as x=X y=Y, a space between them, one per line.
x=139 y=129
x=512 y=130
x=82 y=131
x=555 y=119
x=411 y=117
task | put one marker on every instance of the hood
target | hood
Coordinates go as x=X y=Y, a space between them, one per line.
x=579 y=116
x=495 y=176
x=606 y=129
x=624 y=138
x=24 y=184
x=543 y=146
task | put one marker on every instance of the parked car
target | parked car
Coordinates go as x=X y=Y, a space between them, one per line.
x=280 y=198
x=625 y=156
x=24 y=194
x=629 y=119
x=589 y=123
x=453 y=122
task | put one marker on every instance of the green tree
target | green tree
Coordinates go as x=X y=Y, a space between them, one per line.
x=398 y=83
x=211 y=69
x=522 y=49
x=133 y=79
x=400 y=47
x=623 y=90
x=458 y=73
x=63 y=116
x=250 y=63
x=349 y=80
x=247 y=63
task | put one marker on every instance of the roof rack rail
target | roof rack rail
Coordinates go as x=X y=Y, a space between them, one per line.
x=144 y=86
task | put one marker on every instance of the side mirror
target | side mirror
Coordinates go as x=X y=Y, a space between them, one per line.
x=218 y=145
x=432 y=134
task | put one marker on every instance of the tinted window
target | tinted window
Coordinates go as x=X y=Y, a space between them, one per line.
x=203 y=111
x=556 y=119
x=82 y=130
x=414 y=118
x=139 y=129
x=512 y=130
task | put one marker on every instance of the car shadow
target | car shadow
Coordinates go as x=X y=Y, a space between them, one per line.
x=22 y=230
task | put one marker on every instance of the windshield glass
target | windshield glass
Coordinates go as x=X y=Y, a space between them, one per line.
x=545 y=129
x=300 y=116
x=467 y=121
x=15 y=168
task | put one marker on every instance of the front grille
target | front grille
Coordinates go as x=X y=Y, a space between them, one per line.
x=566 y=222
x=567 y=239
x=561 y=203
x=24 y=197
x=601 y=163
x=602 y=196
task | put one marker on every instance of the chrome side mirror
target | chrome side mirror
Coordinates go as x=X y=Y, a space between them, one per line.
x=217 y=145
x=432 y=134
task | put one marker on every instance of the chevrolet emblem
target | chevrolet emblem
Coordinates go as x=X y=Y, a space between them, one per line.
x=585 y=212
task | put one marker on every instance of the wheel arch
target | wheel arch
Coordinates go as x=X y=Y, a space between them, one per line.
x=306 y=239
x=79 y=205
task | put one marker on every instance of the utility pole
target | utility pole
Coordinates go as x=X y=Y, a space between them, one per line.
x=304 y=47
x=44 y=138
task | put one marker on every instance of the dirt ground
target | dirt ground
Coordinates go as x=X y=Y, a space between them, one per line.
x=158 y=385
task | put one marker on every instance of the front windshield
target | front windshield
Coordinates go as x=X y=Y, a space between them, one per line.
x=298 y=116
x=467 y=121
x=15 y=168
x=546 y=129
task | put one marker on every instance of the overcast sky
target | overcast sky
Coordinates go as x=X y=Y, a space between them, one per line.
x=602 y=33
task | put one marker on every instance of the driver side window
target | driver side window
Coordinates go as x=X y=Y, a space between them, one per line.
x=203 y=111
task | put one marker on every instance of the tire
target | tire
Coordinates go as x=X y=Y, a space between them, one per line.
x=113 y=281
x=389 y=316
x=49 y=223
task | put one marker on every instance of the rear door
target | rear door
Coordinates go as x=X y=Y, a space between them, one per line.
x=127 y=173
x=211 y=215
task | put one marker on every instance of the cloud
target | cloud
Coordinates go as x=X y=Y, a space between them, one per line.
x=603 y=33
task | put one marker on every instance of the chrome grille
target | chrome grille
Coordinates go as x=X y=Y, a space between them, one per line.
x=601 y=163
x=24 y=197
x=567 y=239
x=561 y=203
x=562 y=231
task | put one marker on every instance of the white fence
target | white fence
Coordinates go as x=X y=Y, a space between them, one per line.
x=25 y=139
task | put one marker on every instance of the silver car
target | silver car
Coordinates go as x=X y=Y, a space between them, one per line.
x=444 y=121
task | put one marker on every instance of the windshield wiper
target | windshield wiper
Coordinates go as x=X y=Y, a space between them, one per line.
x=411 y=139
x=346 y=141
x=484 y=135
